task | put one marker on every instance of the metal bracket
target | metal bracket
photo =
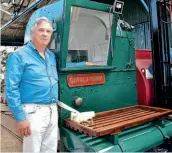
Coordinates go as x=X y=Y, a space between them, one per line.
x=17 y=16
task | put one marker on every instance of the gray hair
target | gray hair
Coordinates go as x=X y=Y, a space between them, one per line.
x=40 y=20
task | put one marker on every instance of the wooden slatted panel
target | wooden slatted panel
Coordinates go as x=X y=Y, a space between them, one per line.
x=114 y=121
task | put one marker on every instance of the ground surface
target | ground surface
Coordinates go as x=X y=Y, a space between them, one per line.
x=11 y=141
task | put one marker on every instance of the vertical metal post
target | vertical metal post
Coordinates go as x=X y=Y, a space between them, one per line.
x=166 y=55
x=156 y=51
x=160 y=53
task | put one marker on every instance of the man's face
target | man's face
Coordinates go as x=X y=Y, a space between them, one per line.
x=41 y=35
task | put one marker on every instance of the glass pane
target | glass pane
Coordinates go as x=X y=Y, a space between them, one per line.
x=52 y=43
x=89 y=37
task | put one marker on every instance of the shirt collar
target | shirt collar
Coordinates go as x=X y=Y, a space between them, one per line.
x=33 y=49
x=30 y=44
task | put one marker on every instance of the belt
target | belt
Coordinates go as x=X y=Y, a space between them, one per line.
x=52 y=104
x=42 y=105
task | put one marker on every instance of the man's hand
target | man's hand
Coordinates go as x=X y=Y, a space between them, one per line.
x=89 y=63
x=23 y=128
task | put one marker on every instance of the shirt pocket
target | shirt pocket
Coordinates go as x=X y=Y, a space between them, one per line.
x=53 y=71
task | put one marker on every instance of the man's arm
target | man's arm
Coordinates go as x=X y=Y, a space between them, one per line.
x=13 y=77
x=78 y=64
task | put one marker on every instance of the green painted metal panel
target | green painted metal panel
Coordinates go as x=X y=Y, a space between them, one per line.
x=77 y=142
x=111 y=95
x=166 y=128
x=137 y=139
x=142 y=139
x=124 y=48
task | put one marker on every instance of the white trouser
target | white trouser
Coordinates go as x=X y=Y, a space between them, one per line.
x=44 y=125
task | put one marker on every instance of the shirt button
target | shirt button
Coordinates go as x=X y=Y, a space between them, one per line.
x=53 y=99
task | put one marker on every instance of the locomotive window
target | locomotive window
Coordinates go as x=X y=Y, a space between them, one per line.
x=77 y=56
x=52 y=43
x=89 y=37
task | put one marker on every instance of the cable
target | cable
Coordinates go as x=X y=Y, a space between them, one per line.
x=111 y=43
x=111 y=29
x=130 y=45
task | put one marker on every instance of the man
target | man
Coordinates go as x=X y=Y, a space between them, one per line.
x=32 y=90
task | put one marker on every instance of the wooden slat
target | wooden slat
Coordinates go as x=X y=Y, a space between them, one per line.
x=115 y=116
x=80 y=128
x=119 y=114
x=118 y=118
x=114 y=121
x=116 y=111
x=124 y=118
x=152 y=108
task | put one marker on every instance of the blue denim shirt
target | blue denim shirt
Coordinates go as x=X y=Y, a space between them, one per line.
x=30 y=79
x=79 y=64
